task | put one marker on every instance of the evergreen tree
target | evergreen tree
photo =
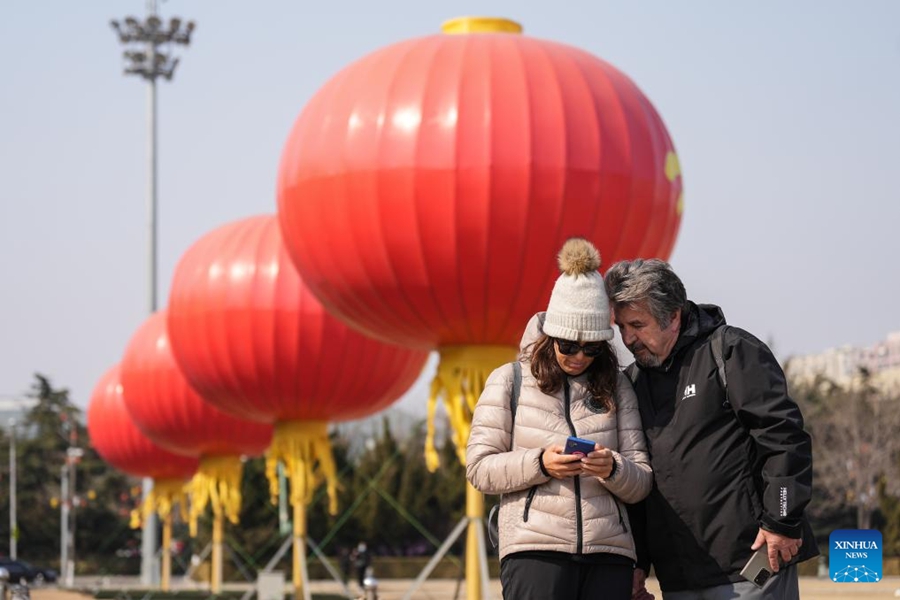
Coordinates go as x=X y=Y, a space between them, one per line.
x=48 y=430
x=379 y=467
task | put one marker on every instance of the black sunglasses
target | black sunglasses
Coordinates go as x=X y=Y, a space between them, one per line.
x=570 y=348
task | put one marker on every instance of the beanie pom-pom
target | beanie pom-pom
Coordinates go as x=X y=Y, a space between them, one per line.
x=578 y=256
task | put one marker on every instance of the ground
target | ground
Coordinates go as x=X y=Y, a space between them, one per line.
x=445 y=589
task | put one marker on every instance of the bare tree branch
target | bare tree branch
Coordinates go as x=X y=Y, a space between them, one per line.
x=855 y=443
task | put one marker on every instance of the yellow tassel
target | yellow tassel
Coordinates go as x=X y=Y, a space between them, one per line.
x=304 y=449
x=165 y=495
x=460 y=380
x=217 y=483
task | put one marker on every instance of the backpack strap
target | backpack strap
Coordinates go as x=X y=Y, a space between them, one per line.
x=514 y=394
x=718 y=355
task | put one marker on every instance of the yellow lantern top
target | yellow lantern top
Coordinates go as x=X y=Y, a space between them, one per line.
x=463 y=25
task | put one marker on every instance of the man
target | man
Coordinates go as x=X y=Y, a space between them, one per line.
x=732 y=463
x=361 y=560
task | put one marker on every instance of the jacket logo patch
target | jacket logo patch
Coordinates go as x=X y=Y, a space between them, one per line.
x=690 y=391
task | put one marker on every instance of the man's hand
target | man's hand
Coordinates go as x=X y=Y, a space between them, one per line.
x=599 y=462
x=639 y=586
x=559 y=465
x=780 y=546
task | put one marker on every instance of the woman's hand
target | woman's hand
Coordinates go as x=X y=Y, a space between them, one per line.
x=559 y=465
x=599 y=462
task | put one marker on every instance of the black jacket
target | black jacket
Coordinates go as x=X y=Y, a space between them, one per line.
x=723 y=467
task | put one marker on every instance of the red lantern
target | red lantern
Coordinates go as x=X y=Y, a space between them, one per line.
x=254 y=341
x=170 y=412
x=174 y=416
x=424 y=191
x=426 y=188
x=119 y=441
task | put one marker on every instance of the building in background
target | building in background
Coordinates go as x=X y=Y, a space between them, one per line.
x=881 y=360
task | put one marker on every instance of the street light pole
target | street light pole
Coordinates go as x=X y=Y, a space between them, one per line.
x=64 y=520
x=73 y=457
x=13 y=524
x=148 y=54
x=151 y=190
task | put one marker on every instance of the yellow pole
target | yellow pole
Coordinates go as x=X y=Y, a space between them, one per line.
x=299 y=547
x=475 y=513
x=216 y=580
x=166 y=552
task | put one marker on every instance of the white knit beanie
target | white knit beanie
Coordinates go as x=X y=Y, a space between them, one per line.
x=579 y=308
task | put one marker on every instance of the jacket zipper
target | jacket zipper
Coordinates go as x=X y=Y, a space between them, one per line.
x=619 y=510
x=528 y=500
x=579 y=541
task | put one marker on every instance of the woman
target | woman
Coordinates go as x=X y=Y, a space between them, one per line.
x=564 y=531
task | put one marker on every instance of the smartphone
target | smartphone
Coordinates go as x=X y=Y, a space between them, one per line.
x=757 y=569
x=575 y=445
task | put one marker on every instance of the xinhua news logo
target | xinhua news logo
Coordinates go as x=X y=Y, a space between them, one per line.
x=855 y=555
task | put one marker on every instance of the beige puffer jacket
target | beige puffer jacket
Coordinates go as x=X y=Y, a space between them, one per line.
x=538 y=512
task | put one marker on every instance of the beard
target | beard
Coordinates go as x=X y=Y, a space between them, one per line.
x=643 y=357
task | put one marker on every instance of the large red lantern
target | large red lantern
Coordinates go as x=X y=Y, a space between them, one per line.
x=170 y=411
x=172 y=414
x=119 y=442
x=425 y=189
x=254 y=341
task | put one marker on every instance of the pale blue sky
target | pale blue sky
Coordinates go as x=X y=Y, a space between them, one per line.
x=785 y=115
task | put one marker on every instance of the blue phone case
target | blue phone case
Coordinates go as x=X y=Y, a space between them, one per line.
x=576 y=445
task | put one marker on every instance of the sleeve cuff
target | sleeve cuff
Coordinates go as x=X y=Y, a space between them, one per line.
x=770 y=524
x=615 y=468
x=541 y=463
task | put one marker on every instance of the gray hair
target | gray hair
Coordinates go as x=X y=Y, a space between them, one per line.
x=652 y=282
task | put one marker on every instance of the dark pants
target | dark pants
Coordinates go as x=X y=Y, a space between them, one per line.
x=783 y=586
x=542 y=578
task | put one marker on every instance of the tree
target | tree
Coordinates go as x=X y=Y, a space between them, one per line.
x=855 y=443
x=890 y=514
x=376 y=520
x=47 y=430
x=435 y=500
